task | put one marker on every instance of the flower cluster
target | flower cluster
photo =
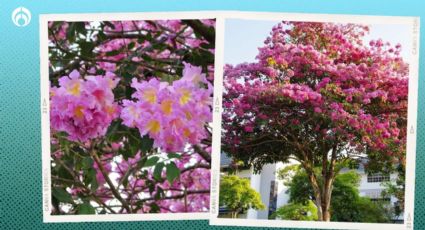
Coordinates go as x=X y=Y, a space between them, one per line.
x=169 y=103
x=319 y=78
x=172 y=114
x=83 y=108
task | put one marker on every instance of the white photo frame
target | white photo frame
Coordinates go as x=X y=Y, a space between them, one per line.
x=413 y=23
x=45 y=113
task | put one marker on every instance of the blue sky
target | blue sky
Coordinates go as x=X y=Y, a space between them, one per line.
x=243 y=37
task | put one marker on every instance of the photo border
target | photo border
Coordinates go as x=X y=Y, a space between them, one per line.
x=45 y=113
x=413 y=22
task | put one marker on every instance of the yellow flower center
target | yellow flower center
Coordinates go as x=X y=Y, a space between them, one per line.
x=110 y=110
x=186 y=132
x=150 y=95
x=271 y=61
x=166 y=106
x=74 y=89
x=154 y=126
x=78 y=112
x=185 y=97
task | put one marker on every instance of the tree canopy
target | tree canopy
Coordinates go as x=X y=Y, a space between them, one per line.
x=237 y=195
x=318 y=94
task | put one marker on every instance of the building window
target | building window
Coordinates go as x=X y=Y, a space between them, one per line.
x=375 y=178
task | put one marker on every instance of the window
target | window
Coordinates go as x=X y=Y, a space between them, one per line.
x=375 y=178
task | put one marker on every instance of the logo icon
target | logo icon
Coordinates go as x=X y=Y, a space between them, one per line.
x=21 y=16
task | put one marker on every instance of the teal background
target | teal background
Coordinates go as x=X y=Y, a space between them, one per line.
x=20 y=148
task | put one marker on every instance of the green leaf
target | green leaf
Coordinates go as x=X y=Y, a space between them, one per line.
x=85 y=208
x=151 y=161
x=172 y=172
x=125 y=182
x=158 y=171
x=93 y=184
x=86 y=48
x=154 y=208
x=63 y=173
x=146 y=144
x=62 y=195
x=101 y=36
x=131 y=45
x=141 y=40
x=87 y=163
x=159 y=193
x=112 y=134
x=80 y=27
x=113 y=53
x=70 y=34
x=131 y=68
x=89 y=176
x=173 y=155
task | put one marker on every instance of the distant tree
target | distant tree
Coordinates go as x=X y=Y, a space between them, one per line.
x=346 y=205
x=297 y=211
x=237 y=195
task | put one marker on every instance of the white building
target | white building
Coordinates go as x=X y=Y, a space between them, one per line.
x=273 y=190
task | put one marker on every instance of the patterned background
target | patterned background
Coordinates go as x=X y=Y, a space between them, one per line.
x=20 y=148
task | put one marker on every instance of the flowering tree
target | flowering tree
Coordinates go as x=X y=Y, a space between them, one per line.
x=319 y=95
x=130 y=108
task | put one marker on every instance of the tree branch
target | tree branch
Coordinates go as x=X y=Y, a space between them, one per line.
x=201 y=29
x=204 y=154
x=178 y=196
x=108 y=180
x=80 y=184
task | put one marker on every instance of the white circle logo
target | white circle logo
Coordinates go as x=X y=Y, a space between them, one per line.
x=21 y=16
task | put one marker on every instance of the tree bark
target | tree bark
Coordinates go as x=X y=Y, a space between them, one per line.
x=328 y=175
x=322 y=191
x=316 y=188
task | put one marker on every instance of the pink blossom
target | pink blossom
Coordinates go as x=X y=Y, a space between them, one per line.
x=83 y=108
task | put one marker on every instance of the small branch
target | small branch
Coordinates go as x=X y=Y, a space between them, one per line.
x=204 y=154
x=205 y=166
x=185 y=199
x=63 y=71
x=108 y=180
x=178 y=196
x=200 y=28
x=80 y=184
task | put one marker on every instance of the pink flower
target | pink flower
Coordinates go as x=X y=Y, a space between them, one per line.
x=249 y=128
x=193 y=74
x=173 y=115
x=83 y=108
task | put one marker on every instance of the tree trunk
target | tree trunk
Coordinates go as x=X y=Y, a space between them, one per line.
x=328 y=175
x=316 y=190
x=326 y=216
x=234 y=214
x=323 y=191
x=326 y=199
x=326 y=203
